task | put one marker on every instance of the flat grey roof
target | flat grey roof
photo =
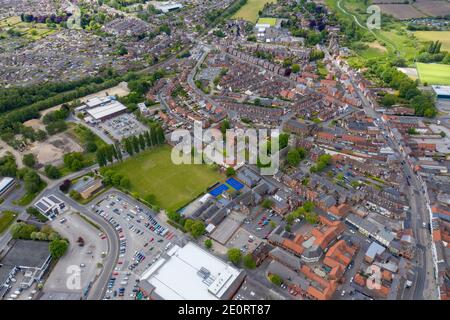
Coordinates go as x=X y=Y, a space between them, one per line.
x=27 y=253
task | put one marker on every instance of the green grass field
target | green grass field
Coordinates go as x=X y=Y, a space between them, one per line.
x=6 y=219
x=271 y=21
x=250 y=11
x=442 y=36
x=152 y=172
x=434 y=73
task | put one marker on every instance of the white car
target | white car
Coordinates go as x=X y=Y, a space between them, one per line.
x=343 y=293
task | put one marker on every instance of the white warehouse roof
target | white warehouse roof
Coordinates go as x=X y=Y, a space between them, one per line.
x=101 y=112
x=5 y=182
x=191 y=273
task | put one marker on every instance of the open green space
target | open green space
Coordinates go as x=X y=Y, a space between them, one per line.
x=152 y=172
x=442 y=36
x=6 y=219
x=434 y=73
x=250 y=11
x=270 y=21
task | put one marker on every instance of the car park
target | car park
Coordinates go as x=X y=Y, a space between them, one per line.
x=137 y=228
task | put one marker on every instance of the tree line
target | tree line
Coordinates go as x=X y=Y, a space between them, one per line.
x=21 y=104
x=131 y=145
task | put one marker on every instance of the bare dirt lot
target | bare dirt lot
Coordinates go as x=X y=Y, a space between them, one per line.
x=36 y=124
x=378 y=46
x=53 y=149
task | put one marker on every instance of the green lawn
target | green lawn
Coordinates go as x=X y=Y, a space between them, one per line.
x=250 y=11
x=270 y=21
x=6 y=219
x=434 y=73
x=442 y=36
x=152 y=172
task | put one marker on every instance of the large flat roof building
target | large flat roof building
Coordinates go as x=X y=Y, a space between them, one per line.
x=106 y=111
x=6 y=185
x=32 y=257
x=101 y=108
x=191 y=273
x=442 y=92
x=168 y=6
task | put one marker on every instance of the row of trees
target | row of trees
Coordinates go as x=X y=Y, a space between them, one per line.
x=148 y=139
x=133 y=144
x=108 y=153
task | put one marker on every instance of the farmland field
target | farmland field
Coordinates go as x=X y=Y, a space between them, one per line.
x=434 y=73
x=250 y=11
x=401 y=11
x=433 y=7
x=173 y=186
x=442 y=36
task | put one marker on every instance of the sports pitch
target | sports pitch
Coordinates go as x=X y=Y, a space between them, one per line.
x=250 y=11
x=152 y=172
x=270 y=21
x=433 y=73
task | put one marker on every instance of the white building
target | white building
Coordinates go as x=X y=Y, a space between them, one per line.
x=168 y=6
x=50 y=206
x=6 y=185
x=100 y=109
x=191 y=273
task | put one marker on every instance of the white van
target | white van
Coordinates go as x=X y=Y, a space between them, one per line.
x=13 y=296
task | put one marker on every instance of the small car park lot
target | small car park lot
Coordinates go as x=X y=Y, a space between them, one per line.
x=244 y=241
x=260 y=225
x=142 y=239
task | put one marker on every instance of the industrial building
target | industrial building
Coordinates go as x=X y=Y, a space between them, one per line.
x=6 y=186
x=168 y=6
x=191 y=273
x=101 y=109
x=29 y=257
x=50 y=206
x=442 y=92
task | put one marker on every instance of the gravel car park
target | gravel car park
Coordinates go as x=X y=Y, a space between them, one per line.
x=142 y=239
